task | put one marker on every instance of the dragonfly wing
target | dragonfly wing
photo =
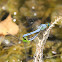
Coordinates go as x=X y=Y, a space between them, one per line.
x=33 y=37
x=38 y=30
x=42 y=26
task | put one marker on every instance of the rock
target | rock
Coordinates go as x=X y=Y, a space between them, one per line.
x=7 y=26
x=57 y=30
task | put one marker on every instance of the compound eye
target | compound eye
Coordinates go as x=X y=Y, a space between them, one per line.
x=24 y=38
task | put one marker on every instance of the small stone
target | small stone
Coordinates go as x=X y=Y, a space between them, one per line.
x=7 y=61
x=19 y=42
x=54 y=52
x=60 y=26
x=18 y=60
x=15 y=13
x=14 y=20
x=61 y=57
x=13 y=60
x=61 y=21
x=33 y=7
x=3 y=8
x=14 y=49
x=31 y=22
x=35 y=14
x=7 y=42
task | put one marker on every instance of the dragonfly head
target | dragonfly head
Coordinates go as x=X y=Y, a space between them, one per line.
x=48 y=24
x=25 y=39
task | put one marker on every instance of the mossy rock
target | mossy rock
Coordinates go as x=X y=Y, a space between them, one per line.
x=3 y=2
x=57 y=30
x=50 y=48
x=32 y=9
x=56 y=13
x=14 y=5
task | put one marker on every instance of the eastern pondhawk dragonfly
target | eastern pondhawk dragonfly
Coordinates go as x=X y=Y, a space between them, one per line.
x=40 y=28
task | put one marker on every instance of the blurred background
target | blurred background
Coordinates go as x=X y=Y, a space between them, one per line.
x=26 y=16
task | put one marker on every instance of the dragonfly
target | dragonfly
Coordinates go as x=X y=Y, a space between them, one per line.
x=36 y=32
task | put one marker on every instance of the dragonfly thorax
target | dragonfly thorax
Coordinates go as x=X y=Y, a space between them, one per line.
x=42 y=26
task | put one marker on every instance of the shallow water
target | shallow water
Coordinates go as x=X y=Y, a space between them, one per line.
x=28 y=15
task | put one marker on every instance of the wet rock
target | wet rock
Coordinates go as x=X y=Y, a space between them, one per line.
x=57 y=30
